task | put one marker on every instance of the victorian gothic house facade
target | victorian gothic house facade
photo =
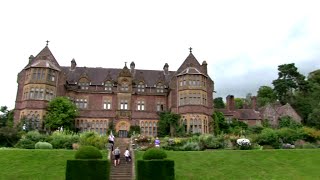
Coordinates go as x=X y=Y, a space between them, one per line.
x=125 y=97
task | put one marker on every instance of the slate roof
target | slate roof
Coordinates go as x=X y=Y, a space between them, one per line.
x=97 y=76
x=44 y=59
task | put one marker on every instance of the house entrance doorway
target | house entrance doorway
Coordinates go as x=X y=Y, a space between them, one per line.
x=122 y=128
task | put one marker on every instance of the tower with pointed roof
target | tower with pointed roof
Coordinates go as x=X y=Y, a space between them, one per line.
x=122 y=96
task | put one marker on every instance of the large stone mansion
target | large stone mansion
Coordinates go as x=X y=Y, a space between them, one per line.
x=126 y=96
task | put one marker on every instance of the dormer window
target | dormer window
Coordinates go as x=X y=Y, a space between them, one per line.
x=108 y=86
x=84 y=85
x=160 y=88
x=124 y=87
x=141 y=87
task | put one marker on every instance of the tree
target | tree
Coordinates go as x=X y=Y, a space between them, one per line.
x=219 y=123
x=314 y=118
x=61 y=112
x=6 y=117
x=239 y=102
x=168 y=123
x=265 y=95
x=218 y=103
x=289 y=81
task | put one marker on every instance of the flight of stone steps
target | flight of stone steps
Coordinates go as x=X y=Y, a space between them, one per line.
x=124 y=170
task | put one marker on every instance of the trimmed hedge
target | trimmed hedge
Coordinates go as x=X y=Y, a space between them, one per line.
x=154 y=153
x=88 y=152
x=43 y=145
x=157 y=169
x=88 y=169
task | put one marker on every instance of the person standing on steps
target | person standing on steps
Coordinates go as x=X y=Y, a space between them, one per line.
x=127 y=155
x=111 y=140
x=116 y=154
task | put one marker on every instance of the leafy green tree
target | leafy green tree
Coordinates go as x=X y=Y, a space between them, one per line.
x=168 y=123
x=288 y=122
x=265 y=95
x=61 y=112
x=289 y=81
x=219 y=123
x=218 y=103
x=314 y=118
x=6 y=117
x=239 y=102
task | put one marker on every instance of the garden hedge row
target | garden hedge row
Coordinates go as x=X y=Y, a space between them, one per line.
x=156 y=169
x=84 y=169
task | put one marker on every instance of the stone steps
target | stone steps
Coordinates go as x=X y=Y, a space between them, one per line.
x=123 y=171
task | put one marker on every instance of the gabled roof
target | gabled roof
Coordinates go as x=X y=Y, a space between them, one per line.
x=190 y=61
x=44 y=59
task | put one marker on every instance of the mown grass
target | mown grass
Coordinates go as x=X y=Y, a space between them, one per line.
x=16 y=164
x=227 y=164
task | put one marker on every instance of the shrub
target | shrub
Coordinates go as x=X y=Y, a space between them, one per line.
x=268 y=137
x=88 y=152
x=87 y=169
x=43 y=145
x=8 y=136
x=211 y=142
x=287 y=121
x=92 y=138
x=310 y=134
x=288 y=135
x=25 y=144
x=154 y=153
x=35 y=136
x=62 y=140
x=309 y=146
x=244 y=144
x=191 y=146
x=155 y=169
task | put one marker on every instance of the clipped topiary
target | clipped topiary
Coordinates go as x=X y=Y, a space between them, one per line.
x=43 y=145
x=154 y=153
x=88 y=152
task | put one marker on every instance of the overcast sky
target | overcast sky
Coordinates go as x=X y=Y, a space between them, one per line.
x=243 y=42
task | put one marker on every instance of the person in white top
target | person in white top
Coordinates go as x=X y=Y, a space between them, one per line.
x=111 y=140
x=127 y=155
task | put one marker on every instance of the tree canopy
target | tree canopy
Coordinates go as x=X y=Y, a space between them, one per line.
x=61 y=112
x=289 y=80
x=168 y=123
x=218 y=103
x=265 y=95
x=6 y=117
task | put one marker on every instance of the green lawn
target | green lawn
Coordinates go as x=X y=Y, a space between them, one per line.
x=34 y=164
x=232 y=164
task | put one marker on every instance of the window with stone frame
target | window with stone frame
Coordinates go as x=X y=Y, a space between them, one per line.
x=81 y=103
x=107 y=104
x=141 y=87
x=51 y=77
x=123 y=104
x=108 y=86
x=160 y=88
x=160 y=106
x=124 y=87
x=148 y=128
x=84 y=85
x=38 y=73
x=140 y=105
